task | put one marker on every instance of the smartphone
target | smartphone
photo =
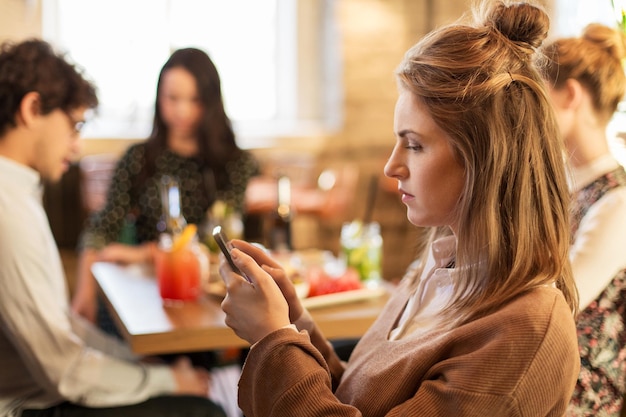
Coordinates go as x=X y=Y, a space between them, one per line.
x=224 y=244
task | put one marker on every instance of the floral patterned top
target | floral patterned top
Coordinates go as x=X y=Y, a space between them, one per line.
x=142 y=208
x=600 y=327
x=586 y=197
x=601 y=386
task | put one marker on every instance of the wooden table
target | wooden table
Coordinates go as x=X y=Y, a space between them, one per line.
x=133 y=299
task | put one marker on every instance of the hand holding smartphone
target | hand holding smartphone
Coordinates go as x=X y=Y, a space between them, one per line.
x=224 y=244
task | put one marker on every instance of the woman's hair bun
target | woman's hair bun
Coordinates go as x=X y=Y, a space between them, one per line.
x=611 y=40
x=520 y=22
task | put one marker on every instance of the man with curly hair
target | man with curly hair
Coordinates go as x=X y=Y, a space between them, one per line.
x=52 y=362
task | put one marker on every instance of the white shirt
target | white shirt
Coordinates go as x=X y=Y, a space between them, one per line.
x=599 y=249
x=432 y=293
x=47 y=354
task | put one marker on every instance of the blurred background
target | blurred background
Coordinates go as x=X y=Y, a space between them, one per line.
x=308 y=84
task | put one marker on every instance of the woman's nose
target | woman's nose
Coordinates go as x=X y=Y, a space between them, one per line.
x=393 y=167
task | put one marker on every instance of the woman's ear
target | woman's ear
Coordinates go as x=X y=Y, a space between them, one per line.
x=30 y=108
x=573 y=93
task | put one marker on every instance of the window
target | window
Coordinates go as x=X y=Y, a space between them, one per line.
x=273 y=57
x=571 y=16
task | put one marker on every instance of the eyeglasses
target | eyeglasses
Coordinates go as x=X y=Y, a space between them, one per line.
x=77 y=125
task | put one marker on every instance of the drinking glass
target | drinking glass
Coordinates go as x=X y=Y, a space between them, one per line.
x=361 y=247
x=179 y=272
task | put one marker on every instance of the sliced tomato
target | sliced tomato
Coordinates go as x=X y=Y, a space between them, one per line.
x=321 y=283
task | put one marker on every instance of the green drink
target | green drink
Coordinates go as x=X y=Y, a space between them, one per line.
x=361 y=246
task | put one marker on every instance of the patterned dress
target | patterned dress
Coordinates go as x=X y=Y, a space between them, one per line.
x=132 y=215
x=600 y=327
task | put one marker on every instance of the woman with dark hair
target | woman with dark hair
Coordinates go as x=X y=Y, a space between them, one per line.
x=191 y=140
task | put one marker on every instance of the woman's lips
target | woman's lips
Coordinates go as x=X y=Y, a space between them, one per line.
x=405 y=196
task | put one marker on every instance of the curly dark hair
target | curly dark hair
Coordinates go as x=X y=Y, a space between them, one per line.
x=33 y=66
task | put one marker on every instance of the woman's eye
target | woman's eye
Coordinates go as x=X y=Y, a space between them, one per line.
x=414 y=147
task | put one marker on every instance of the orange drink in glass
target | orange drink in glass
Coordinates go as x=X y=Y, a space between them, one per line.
x=178 y=270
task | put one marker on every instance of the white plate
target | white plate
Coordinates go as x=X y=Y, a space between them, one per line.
x=342 y=297
x=326 y=300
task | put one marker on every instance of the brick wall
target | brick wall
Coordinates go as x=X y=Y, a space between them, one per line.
x=375 y=35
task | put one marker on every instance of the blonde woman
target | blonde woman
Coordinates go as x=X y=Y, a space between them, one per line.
x=485 y=327
x=586 y=82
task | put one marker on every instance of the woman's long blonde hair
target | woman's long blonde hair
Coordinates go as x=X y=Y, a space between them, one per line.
x=481 y=85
